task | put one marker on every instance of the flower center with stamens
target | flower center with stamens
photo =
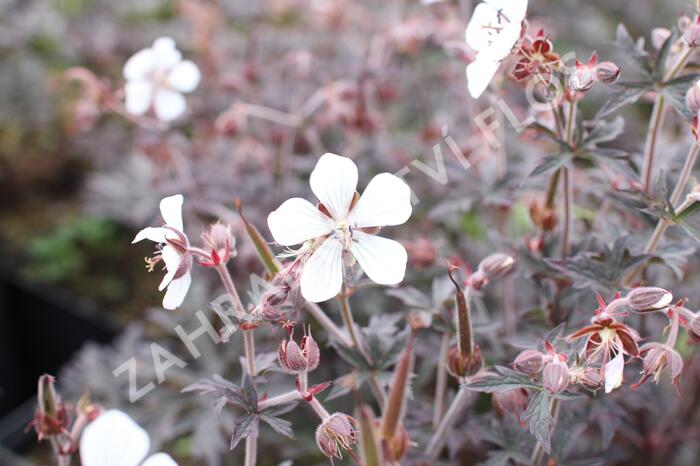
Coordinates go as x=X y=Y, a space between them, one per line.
x=343 y=233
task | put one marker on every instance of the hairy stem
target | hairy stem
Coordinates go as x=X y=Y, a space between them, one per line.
x=566 y=186
x=292 y=395
x=441 y=380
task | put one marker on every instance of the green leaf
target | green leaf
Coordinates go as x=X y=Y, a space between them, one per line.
x=245 y=425
x=619 y=98
x=550 y=164
x=629 y=48
x=539 y=419
x=604 y=131
x=504 y=380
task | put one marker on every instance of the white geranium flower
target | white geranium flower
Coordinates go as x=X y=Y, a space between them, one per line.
x=493 y=30
x=157 y=76
x=342 y=227
x=174 y=251
x=114 y=439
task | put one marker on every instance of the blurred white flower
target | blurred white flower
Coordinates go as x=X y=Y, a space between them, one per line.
x=157 y=76
x=493 y=30
x=613 y=371
x=174 y=251
x=114 y=439
x=343 y=227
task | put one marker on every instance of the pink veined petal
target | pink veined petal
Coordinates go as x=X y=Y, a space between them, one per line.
x=386 y=201
x=177 y=290
x=382 y=259
x=322 y=276
x=172 y=263
x=184 y=76
x=113 y=439
x=169 y=105
x=155 y=234
x=296 y=221
x=334 y=181
x=165 y=53
x=139 y=65
x=479 y=75
x=613 y=372
x=159 y=459
x=171 y=211
x=138 y=96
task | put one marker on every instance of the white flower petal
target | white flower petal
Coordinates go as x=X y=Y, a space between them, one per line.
x=184 y=76
x=479 y=75
x=171 y=211
x=296 y=221
x=177 y=290
x=613 y=372
x=159 y=459
x=334 y=181
x=490 y=33
x=166 y=54
x=155 y=234
x=386 y=201
x=169 y=105
x=172 y=261
x=322 y=277
x=139 y=96
x=512 y=10
x=139 y=65
x=382 y=259
x=113 y=439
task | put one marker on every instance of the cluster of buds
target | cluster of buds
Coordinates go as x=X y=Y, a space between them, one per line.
x=491 y=268
x=537 y=58
x=336 y=433
x=585 y=75
x=299 y=358
x=220 y=245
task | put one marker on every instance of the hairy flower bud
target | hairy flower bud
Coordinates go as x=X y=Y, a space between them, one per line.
x=296 y=358
x=607 y=72
x=335 y=434
x=464 y=366
x=555 y=376
x=649 y=299
x=529 y=362
x=219 y=243
x=513 y=402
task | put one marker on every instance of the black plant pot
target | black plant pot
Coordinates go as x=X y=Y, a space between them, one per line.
x=40 y=330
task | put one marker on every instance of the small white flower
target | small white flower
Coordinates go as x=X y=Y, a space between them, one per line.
x=157 y=76
x=343 y=227
x=174 y=252
x=493 y=30
x=114 y=439
x=613 y=372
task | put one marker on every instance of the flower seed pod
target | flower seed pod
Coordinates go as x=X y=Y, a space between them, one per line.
x=295 y=358
x=607 y=72
x=648 y=299
x=464 y=366
x=529 y=362
x=555 y=376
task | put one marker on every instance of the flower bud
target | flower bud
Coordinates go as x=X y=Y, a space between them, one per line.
x=464 y=366
x=496 y=265
x=648 y=299
x=692 y=34
x=659 y=36
x=219 y=243
x=51 y=416
x=583 y=78
x=296 y=358
x=335 y=434
x=555 y=376
x=513 y=402
x=607 y=72
x=529 y=362
x=692 y=98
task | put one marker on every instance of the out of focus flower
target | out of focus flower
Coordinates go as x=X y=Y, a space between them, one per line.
x=156 y=77
x=655 y=358
x=529 y=362
x=342 y=227
x=537 y=58
x=173 y=250
x=114 y=439
x=659 y=36
x=490 y=268
x=691 y=36
x=493 y=30
x=421 y=252
x=335 y=434
x=297 y=358
x=513 y=402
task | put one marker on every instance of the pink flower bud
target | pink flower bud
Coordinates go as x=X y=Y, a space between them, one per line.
x=692 y=35
x=649 y=299
x=296 y=358
x=692 y=98
x=607 y=72
x=529 y=362
x=464 y=366
x=496 y=265
x=659 y=36
x=335 y=434
x=584 y=76
x=219 y=243
x=555 y=376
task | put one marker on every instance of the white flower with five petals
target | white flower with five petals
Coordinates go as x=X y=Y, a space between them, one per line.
x=342 y=227
x=156 y=77
x=493 y=30
x=173 y=251
x=114 y=439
